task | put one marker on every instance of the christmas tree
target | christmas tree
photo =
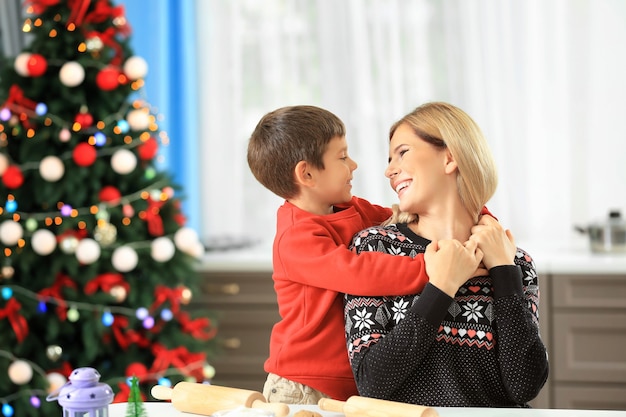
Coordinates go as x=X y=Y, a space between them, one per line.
x=97 y=266
x=135 y=406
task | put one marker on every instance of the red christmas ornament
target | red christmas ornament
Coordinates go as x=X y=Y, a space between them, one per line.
x=137 y=369
x=110 y=194
x=84 y=119
x=36 y=65
x=148 y=149
x=108 y=78
x=13 y=177
x=84 y=154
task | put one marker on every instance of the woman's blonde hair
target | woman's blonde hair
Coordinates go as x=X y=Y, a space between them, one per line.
x=446 y=126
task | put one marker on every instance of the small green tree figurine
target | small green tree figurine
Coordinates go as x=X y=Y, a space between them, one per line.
x=135 y=402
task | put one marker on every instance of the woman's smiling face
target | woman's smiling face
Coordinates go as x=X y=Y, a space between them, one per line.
x=416 y=169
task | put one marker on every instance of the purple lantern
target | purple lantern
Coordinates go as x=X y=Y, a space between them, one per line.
x=83 y=395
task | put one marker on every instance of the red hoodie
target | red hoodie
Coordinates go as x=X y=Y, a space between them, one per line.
x=312 y=269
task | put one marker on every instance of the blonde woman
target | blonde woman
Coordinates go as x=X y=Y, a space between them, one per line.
x=465 y=340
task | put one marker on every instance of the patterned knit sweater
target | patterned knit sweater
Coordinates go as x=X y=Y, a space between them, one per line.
x=480 y=349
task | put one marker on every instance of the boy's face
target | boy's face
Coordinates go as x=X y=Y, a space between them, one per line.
x=333 y=183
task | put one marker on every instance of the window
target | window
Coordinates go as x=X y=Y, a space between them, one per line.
x=540 y=77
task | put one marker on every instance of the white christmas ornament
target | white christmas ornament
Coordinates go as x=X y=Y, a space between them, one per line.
x=55 y=381
x=51 y=168
x=4 y=163
x=197 y=251
x=87 y=251
x=69 y=244
x=162 y=249
x=11 y=232
x=72 y=74
x=135 y=67
x=20 y=372
x=185 y=238
x=21 y=64
x=44 y=242
x=138 y=119
x=124 y=259
x=123 y=161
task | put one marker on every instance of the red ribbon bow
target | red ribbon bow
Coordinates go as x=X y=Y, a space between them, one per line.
x=180 y=358
x=78 y=234
x=54 y=291
x=108 y=38
x=199 y=328
x=163 y=294
x=18 y=322
x=16 y=96
x=126 y=338
x=78 y=9
x=123 y=393
x=19 y=102
x=106 y=282
x=153 y=217
x=103 y=11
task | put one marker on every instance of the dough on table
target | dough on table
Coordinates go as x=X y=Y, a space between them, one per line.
x=307 y=413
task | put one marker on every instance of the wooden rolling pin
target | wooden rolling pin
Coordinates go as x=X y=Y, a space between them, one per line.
x=357 y=406
x=205 y=399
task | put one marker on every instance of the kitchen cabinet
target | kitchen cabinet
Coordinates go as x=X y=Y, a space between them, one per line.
x=588 y=341
x=246 y=306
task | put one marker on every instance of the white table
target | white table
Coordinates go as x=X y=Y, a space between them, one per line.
x=165 y=409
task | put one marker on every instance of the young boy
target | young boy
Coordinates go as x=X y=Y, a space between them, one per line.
x=300 y=154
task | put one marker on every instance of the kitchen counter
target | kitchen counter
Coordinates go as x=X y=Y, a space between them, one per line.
x=154 y=409
x=559 y=258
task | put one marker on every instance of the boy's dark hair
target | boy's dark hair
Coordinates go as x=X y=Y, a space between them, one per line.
x=286 y=136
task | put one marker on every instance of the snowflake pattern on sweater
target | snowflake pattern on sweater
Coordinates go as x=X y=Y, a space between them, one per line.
x=481 y=348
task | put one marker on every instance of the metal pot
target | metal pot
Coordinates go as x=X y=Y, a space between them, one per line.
x=608 y=236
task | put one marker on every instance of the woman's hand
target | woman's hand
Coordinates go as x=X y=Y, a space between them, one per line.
x=497 y=244
x=450 y=263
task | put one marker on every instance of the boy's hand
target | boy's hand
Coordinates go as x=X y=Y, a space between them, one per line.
x=449 y=263
x=497 y=244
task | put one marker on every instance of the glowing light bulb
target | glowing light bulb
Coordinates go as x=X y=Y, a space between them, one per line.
x=123 y=125
x=35 y=401
x=5 y=114
x=73 y=315
x=41 y=109
x=101 y=138
x=107 y=318
x=66 y=210
x=165 y=382
x=141 y=313
x=10 y=206
x=7 y=293
x=166 y=314
x=148 y=322
x=7 y=410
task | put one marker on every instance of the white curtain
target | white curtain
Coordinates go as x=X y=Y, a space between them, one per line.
x=543 y=78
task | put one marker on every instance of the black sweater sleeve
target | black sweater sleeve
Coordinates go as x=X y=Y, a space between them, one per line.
x=522 y=356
